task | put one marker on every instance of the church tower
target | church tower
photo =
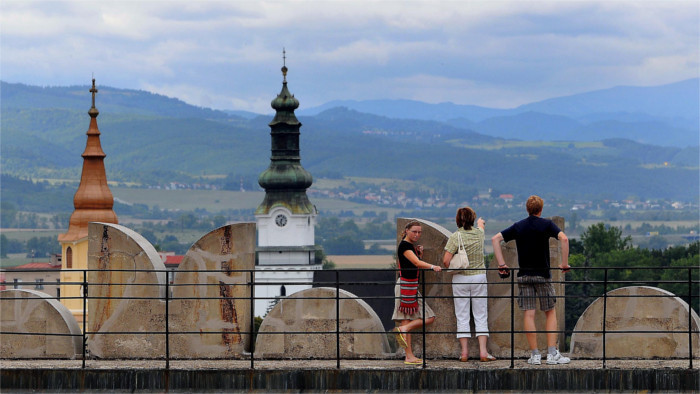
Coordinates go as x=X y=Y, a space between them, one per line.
x=286 y=218
x=93 y=202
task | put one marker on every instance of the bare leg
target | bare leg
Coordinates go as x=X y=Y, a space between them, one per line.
x=551 y=327
x=407 y=337
x=529 y=326
x=464 y=342
x=482 y=346
x=408 y=325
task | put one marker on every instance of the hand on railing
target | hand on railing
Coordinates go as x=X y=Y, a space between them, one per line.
x=503 y=271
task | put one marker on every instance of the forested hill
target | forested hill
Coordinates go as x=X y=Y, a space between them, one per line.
x=109 y=100
x=151 y=139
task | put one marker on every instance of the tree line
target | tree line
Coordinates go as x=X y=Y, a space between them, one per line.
x=602 y=246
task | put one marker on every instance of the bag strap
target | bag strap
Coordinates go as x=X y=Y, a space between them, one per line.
x=461 y=243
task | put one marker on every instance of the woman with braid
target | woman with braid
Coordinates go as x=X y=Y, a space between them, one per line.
x=408 y=305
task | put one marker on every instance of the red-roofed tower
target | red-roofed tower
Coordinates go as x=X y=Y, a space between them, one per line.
x=93 y=202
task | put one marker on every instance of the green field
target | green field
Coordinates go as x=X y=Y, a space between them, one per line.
x=25 y=234
x=223 y=200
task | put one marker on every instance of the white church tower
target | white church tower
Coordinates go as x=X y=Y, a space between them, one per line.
x=286 y=218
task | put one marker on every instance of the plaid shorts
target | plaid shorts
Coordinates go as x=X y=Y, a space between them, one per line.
x=533 y=288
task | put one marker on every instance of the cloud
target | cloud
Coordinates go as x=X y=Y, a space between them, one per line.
x=222 y=54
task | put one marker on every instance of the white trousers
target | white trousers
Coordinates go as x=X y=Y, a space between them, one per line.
x=470 y=291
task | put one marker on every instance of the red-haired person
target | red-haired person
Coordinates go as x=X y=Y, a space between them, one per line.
x=531 y=237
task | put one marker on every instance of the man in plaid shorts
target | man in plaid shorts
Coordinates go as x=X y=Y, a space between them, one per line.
x=531 y=237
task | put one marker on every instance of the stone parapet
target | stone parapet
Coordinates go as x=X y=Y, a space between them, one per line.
x=661 y=318
x=303 y=326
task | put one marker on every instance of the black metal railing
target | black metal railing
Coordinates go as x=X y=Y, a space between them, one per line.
x=691 y=281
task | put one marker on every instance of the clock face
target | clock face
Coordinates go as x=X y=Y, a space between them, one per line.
x=281 y=220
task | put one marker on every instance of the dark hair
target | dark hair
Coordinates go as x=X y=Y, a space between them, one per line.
x=534 y=205
x=409 y=225
x=465 y=218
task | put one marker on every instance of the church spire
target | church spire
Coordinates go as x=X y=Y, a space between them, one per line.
x=93 y=201
x=285 y=181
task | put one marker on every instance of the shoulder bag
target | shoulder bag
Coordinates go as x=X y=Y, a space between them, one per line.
x=460 y=260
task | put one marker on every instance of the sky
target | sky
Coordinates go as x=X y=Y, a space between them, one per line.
x=228 y=54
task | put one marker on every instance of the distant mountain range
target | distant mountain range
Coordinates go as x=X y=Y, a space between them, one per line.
x=667 y=115
x=148 y=138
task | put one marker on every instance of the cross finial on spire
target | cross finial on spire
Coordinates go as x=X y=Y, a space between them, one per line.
x=284 y=65
x=93 y=90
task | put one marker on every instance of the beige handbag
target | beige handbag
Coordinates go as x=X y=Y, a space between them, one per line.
x=460 y=260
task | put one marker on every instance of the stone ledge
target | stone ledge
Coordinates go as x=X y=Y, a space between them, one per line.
x=319 y=375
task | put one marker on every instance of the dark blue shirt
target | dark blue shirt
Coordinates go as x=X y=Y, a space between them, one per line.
x=531 y=237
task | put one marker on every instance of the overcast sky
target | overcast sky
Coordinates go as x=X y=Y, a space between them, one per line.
x=228 y=54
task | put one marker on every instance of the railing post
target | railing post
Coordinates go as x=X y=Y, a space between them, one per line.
x=422 y=279
x=690 y=317
x=512 y=319
x=167 y=322
x=85 y=295
x=605 y=310
x=337 y=320
x=251 y=346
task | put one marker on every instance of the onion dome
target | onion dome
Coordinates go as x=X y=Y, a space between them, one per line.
x=285 y=181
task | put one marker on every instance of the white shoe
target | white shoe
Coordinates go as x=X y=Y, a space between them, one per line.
x=535 y=359
x=557 y=358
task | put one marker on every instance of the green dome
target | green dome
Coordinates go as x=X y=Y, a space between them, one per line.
x=291 y=176
x=285 y=181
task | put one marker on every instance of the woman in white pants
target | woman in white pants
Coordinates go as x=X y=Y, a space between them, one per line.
x=469 y=286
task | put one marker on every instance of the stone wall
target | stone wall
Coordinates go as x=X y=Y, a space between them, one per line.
x=663 y=316
x=127 y=313
x=303 y=325
x=212 y=294
x=33 y=312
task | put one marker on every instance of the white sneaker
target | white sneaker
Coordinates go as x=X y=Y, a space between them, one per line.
x=557 y=358
x=535 y=359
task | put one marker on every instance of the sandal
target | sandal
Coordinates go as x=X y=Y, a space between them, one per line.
x=400 y=338
x=464 y=359
x=488 y=358
x=417 y=361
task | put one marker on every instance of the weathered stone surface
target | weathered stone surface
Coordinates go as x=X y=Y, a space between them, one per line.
x=438 y=291
x=128 y=292
x=306 y=321
x=35 y=312
x=210 y=295
x=662 y=312
x=124 y=267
